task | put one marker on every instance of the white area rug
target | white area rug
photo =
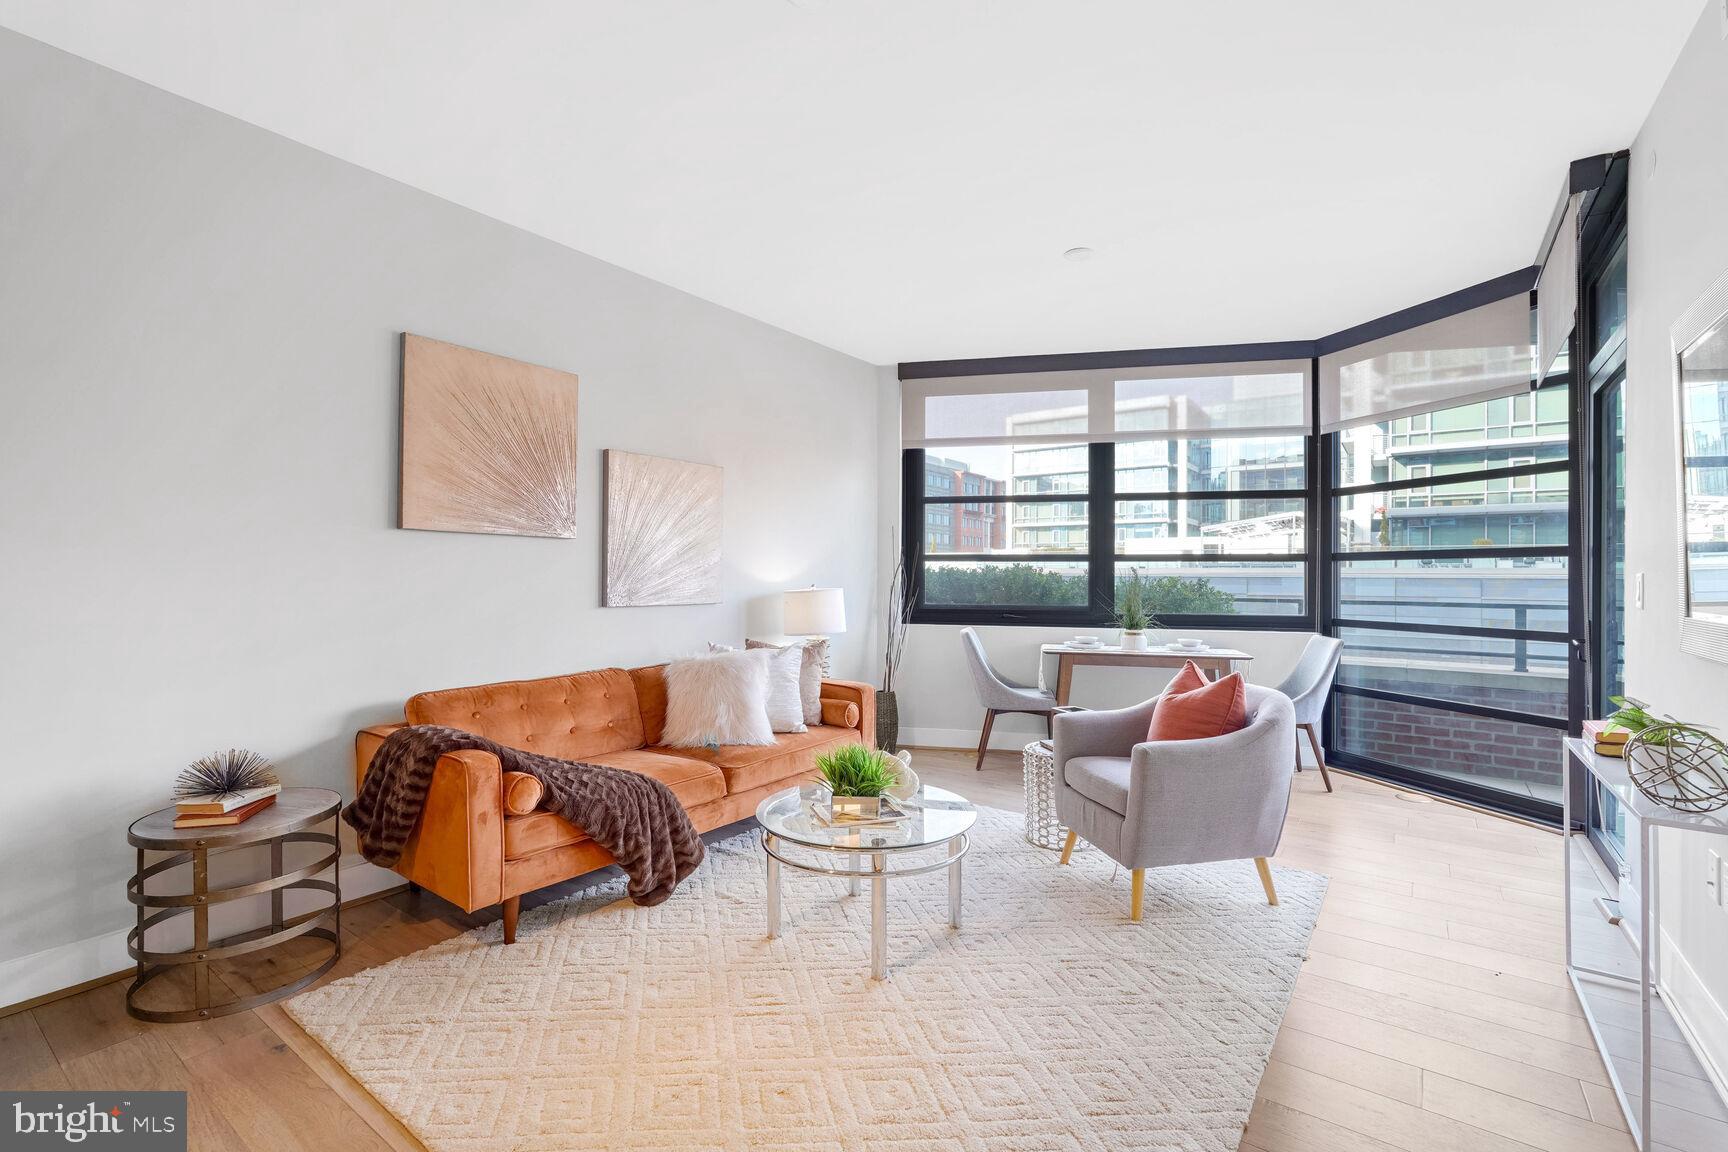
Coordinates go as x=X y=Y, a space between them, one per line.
x=1049 y=1021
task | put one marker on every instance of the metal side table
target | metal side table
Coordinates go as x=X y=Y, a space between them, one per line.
x=1602 y=956
x=1043 y=828
x=288 y=821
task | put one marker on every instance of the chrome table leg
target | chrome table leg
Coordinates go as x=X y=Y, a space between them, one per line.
x=773 y=889
x=956 y=881
x=878 y=918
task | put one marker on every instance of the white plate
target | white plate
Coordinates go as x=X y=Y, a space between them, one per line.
x=1181 y=648
x=1085 y=647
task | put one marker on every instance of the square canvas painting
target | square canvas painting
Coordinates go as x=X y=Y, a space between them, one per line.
x=662 y=531
x=488 y=443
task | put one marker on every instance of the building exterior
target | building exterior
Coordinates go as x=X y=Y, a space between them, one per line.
x=979 y=527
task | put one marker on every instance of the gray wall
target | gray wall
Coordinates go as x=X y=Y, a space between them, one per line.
x=1678 y=245
x=199 y=364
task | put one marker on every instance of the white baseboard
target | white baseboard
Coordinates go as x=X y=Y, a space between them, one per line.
x=1700 y=1014
x=1002 y=738
x=69 y=965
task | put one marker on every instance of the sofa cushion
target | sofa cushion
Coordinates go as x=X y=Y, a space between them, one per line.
x=1101 y=779
x=791 y=757
x=692 y=781
x=570 y=717
x=650 y=681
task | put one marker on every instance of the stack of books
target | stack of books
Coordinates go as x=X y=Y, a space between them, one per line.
x=221 y=811
x=890 y=813
x=1608 y=739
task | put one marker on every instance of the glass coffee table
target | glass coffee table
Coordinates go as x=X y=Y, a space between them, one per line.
x=937 y=818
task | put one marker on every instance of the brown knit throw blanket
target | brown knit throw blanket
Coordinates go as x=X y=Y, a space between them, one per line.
x=634 y=817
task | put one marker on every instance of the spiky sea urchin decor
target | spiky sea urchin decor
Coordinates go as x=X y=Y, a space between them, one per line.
x=225 y=773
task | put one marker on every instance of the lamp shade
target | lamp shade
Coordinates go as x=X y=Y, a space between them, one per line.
x=814 y=612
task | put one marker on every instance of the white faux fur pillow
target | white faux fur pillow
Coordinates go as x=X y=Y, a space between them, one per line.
x=717 y=699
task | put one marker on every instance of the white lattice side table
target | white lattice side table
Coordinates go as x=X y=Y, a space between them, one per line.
x=1042 y=827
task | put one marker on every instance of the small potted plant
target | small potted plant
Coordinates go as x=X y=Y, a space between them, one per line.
x=858 y=777
x=1131 y=614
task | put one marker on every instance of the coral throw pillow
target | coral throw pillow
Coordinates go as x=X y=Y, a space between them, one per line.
x=1188 y=679
x=1213 y=709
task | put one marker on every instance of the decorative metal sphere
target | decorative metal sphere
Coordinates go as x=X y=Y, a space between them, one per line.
x=1679 y=767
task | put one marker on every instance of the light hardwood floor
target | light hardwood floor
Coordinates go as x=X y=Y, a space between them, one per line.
x=1433 y=1014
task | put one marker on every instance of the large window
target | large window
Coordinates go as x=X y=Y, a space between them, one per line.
x=1451 y=585
x=1039 y=498
x=1403 y=486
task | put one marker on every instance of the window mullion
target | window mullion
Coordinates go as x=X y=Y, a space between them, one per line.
x=1101 y=530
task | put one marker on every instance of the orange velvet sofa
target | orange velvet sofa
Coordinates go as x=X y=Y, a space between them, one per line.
x=483 y=840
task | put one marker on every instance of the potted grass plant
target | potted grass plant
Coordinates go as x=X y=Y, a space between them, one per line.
x=1131 y=613
x=858 y=777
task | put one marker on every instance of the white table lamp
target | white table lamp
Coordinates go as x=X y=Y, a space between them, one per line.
x=814 y=612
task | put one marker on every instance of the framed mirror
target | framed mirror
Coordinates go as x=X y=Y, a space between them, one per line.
x=1701 y=377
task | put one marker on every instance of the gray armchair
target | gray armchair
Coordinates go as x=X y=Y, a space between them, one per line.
x=1149 y=804
x=1308 y=685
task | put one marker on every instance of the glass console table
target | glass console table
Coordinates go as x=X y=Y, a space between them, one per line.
x=1670 y=1102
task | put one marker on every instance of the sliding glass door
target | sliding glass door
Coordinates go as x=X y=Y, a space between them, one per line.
x=1450 y=577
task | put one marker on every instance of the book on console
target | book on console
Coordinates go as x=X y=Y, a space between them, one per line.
x=890 y=814
x=216 y=804
x=225 y=819
x=1601 y=732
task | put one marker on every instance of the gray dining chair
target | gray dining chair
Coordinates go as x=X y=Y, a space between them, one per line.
x=1151 y=804
x=999 y=694
x=1308 y=685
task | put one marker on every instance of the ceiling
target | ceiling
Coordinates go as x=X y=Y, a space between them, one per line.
x=899 y=179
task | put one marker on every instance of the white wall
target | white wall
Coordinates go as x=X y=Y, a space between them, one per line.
x=1678 y=228
x=198 y=359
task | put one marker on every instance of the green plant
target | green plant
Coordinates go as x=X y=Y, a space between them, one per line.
x=1635 y=716
x=854 y=770
x=1131 y=611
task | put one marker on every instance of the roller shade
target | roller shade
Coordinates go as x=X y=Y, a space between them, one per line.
x=1479 y=354
x=1240 y=399
x=1557 y=291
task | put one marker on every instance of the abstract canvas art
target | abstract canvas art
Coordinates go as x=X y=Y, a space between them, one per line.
x=488 y=443
x=662 y=531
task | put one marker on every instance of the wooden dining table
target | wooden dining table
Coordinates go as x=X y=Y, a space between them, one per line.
x=1214 y=662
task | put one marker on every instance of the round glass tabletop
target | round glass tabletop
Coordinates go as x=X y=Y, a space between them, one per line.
x=935 y=816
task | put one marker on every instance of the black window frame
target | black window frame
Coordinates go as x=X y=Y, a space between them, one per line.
x=1101 y=556
x=1337 y=557
x=1320 y=494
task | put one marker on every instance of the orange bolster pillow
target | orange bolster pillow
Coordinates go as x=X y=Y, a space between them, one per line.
x=840 y=713
x=522 y=793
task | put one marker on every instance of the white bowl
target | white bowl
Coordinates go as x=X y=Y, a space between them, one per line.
x=1181 y=643
x=1084 y=641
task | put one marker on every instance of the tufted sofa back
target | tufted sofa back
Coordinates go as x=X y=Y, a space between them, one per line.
x=568 y=717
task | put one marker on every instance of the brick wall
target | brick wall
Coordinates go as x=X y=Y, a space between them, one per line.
x=1431 y=739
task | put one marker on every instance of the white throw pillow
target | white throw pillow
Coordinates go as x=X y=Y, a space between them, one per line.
x=785 y=697
x=718 y=699
x=809 y=676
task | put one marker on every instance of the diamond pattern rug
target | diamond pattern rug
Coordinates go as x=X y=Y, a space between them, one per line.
x=1047 y=1022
